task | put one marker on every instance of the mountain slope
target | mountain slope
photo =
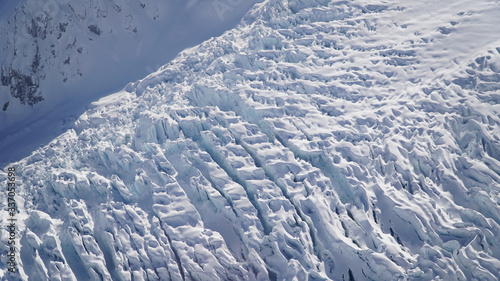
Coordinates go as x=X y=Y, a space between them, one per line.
x=317 y=140
x=59 y=53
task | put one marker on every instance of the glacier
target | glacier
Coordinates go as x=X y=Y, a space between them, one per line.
x=316 y=140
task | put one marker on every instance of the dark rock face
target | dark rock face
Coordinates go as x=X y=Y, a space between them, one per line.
x=23 y=87
x=94 y=29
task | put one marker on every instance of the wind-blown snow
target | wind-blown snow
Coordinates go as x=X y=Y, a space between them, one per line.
x=318 y=140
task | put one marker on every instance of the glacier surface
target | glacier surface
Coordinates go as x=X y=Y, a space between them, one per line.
x=317 y=140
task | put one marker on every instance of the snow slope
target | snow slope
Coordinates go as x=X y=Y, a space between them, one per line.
x=317 y=140
x=7 y=7
x=62 y=53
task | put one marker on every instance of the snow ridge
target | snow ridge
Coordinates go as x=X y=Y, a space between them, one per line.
x=318 y=140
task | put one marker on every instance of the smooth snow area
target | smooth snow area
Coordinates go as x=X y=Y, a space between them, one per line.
x=317 y=140
x=7 y=7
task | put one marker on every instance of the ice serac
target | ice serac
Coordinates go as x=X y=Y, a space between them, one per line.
x=317 y=140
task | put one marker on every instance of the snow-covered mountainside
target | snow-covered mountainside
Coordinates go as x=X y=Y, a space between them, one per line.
x=59 y=51
x=317 y=140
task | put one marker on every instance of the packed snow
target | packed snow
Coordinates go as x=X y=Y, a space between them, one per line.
x=317 y=140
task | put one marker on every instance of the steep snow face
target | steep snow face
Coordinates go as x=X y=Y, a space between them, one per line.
x=318 y=140
x=7 y=7
x=57 y=51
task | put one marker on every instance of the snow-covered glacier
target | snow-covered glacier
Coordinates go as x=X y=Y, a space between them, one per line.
x=317 y=140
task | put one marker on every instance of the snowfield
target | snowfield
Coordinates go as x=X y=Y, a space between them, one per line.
x=317 y=140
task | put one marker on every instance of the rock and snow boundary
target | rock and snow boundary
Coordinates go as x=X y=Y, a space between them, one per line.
x=56 y=55
x=318 y=140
